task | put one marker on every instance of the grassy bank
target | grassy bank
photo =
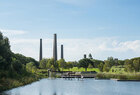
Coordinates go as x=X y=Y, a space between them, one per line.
x=118 y=76
x=8 y=82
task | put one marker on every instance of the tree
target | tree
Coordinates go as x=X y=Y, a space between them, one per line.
x=16 y=65
x=96 y=62
x=43 y=63
x=5 y=52
x=120 y=62
x=116 y=61
x=69 y=65
x=111 y=61
x=48 y=64
x=90 y=66
x=136 y=64
x=106 y=68
x=53 y=64
x=129 y=65
x=34 y=69
x=31 y=67
x=101 y=66
x=90 y=56
x=62 y=63
x=2 y=63
x=85 y=63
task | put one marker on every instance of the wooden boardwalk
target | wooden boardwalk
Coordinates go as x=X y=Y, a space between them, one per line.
x=79 y=76
x=70 y=74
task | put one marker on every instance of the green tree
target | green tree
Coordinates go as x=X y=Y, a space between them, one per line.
x=111 y=61
x=101 y=66
x=34 y=69
x=120 y=62
x=16 y=65
x=5 y=52
x=43 y=63
x=96 y=62
x=106 y=68
x=2 y=63
x=62 y=63
x=30 y=67
x=136 y=64
x=85 y=63
x=129 y=65
x=90 y=56
x=90 y=66
x=69 y=65
x=54 y=65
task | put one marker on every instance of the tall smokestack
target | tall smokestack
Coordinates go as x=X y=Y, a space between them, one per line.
x=55 y=48
x=62 y=52
x=40 y=56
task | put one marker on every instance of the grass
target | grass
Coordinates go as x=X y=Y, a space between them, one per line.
x=76 y=69
x=7 y=82
x=128 y=76
x=117 y=70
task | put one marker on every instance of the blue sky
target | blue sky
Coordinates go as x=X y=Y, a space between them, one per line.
x=101 y=27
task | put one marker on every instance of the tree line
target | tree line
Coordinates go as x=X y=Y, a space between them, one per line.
x=11 y=64
x=129 y=65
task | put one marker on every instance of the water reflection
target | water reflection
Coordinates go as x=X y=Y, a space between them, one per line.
x=77 y=87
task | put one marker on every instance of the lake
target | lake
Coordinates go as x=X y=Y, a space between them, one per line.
x=74 y=86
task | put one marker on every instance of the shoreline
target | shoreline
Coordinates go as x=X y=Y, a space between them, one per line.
x=10 y=83
x=119 y=77
x=20 y=84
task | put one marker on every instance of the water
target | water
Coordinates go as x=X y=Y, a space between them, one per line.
x=77 y=87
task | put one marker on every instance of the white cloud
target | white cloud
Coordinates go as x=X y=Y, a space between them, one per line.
x=12 y=32
x=101 y=48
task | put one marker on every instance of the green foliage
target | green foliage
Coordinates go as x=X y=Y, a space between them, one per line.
x=5 y=52
x=62 y=64
x=13 y=67
x=49 y=64
x=69 y=65
x=90 y=56
x=101 y=66
x=90 y=66
x=109 y=63
x=96 y=62
x=16 y=65
x=117 y=69
x=106 y=67
x=25 y=60
x=85 y=63
x=31 y=67
x=136 y=64
x=120 y=62
x=54 y=65
x=3 y=63
x=129 y=65
x=118 y=76
x=43 y=63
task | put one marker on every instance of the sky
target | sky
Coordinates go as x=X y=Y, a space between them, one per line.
x=103 y=28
